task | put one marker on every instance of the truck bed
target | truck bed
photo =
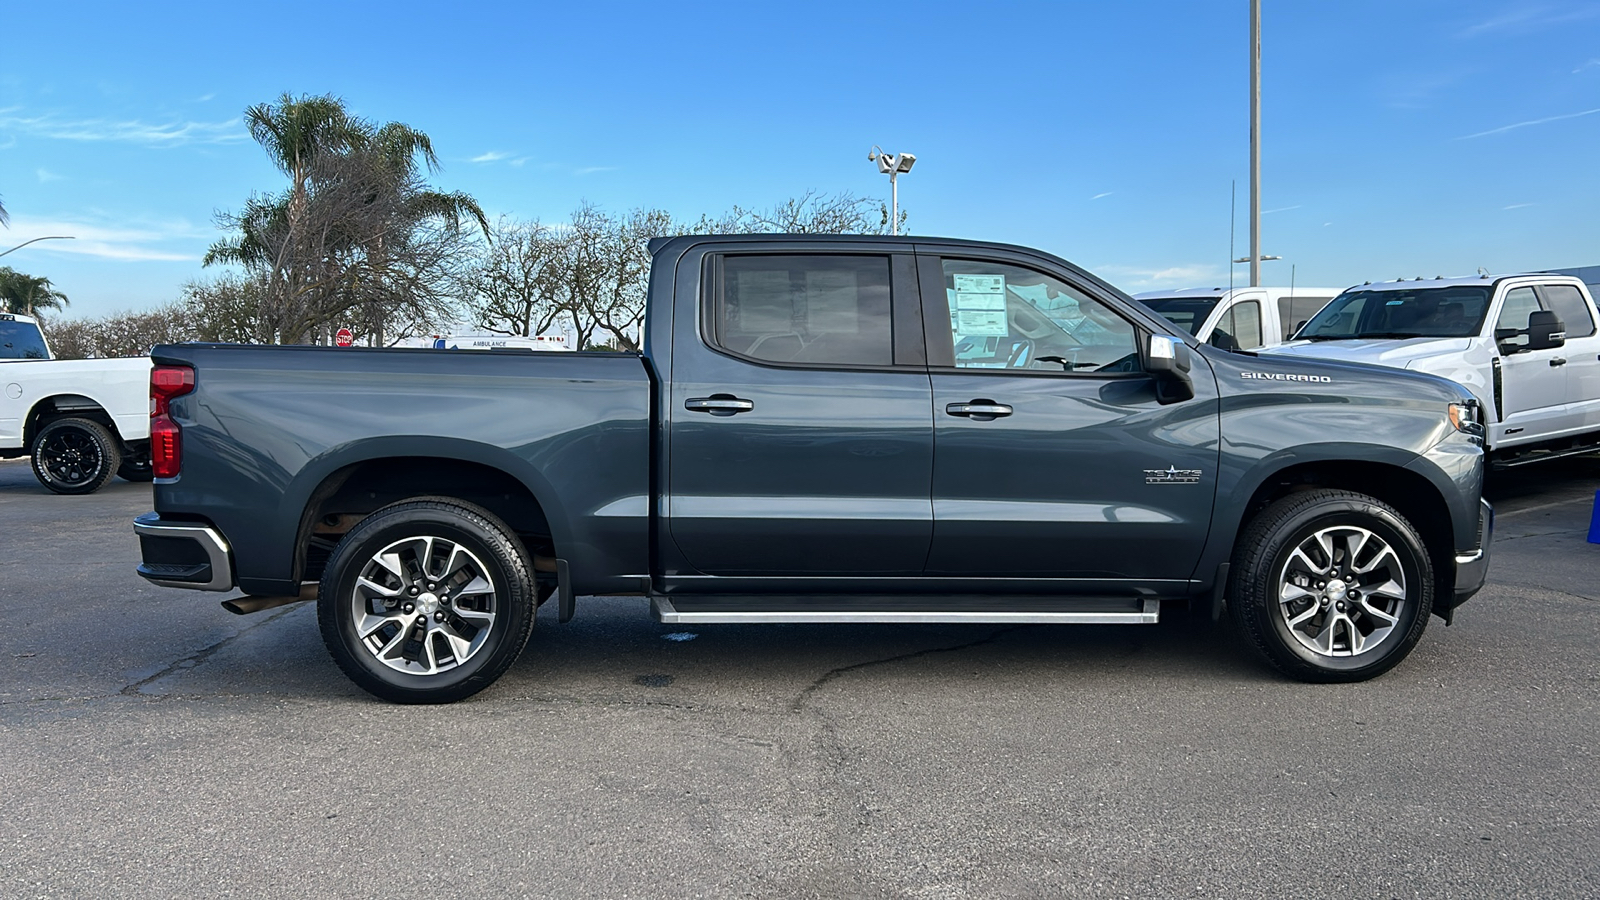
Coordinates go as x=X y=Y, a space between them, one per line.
x=268 y=427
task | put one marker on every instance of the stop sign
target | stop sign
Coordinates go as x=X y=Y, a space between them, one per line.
x=344 y=337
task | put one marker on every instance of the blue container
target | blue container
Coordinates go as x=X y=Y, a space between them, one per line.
x=1594 y=521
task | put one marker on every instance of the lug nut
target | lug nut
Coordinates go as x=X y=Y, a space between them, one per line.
x=1321 y=585
x=410 y=607
x=438 y=617
x=431 y=585
x=1341 y=606
x=413 y=590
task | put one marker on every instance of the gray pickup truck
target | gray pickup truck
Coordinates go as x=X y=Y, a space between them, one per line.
x=822 y=429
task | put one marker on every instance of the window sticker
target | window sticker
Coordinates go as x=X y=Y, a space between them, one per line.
x=978 y=306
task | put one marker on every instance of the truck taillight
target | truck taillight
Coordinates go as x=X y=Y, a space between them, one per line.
x=166 y=441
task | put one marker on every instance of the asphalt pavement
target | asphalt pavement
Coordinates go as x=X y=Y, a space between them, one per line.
x=155 y=745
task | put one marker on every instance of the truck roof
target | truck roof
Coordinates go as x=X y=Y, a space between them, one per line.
x=1410 y=284
x=1181 y=293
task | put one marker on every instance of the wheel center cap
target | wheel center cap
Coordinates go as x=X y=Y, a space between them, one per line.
x=1337 y=589
x=427 y=604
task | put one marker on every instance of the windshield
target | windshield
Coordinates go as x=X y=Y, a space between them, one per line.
x=1455 y=311
x=21 y=340
x=1188 y=313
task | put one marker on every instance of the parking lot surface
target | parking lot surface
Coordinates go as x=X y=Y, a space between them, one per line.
x=158 y=746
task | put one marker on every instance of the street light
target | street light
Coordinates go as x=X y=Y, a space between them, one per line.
x=48 y=237
x=1245 y=259
x=892 y=166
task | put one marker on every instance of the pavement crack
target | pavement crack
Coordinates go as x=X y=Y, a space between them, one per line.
x=798 y=705
x=204 y=653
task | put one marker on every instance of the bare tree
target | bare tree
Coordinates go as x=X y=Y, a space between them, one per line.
x=517 y=286
x=809 y=213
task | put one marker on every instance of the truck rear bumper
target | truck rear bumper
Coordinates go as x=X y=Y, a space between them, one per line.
x=183 y=554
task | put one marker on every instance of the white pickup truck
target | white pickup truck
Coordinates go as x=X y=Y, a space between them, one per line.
x=82 y=421
x=1246 y=318
x=1526 y=345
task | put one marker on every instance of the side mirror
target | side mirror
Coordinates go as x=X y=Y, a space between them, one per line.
x=1545 y=330
x=1167 y=358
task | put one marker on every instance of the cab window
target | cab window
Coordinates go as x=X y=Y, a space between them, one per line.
x=805 y=308
x=1008 y=317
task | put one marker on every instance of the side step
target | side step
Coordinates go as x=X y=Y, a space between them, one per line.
x=703 y=609
x=1529 y=457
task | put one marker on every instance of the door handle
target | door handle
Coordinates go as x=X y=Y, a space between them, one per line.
x=982 y=410
x=1558 y=361
x=719 y=405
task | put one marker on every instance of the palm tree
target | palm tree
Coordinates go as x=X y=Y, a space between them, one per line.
x=28 y=294
x=5 y=217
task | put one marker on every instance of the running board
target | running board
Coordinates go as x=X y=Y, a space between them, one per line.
x=1529 y=457
x=706 y=609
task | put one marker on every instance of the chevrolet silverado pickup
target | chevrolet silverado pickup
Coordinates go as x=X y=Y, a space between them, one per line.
x=821 y=429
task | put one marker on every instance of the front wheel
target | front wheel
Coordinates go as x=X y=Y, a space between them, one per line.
x=1331 y=586
x=427 y=601
x=75 y=456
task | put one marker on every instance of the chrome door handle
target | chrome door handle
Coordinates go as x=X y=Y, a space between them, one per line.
x=978 y=409
x=1558 y=361
x=719 y=405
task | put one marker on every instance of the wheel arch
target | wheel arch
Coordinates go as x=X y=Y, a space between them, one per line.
x=63 y=406
x=1394 y=479
x=351 y=482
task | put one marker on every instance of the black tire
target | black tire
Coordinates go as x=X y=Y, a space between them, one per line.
x=399 y=675
x=136 y=468
x=75 y=456
x=1343 y=633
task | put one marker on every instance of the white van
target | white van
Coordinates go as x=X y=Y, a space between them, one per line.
x=1245 y=318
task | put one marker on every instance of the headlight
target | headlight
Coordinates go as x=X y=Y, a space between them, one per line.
x=1464 y=416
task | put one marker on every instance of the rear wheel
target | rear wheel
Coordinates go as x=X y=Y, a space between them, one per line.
x=427 y=601
x=75 y=456
x=1331 y=586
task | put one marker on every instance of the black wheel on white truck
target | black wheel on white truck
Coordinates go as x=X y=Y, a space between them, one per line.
x=427 y=601
x=1331 y=586
x=75 y=456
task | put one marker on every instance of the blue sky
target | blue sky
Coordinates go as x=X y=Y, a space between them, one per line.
x=1401 y=138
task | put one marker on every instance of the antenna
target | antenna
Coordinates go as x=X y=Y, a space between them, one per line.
x=1291 y=281
x=1233 y=206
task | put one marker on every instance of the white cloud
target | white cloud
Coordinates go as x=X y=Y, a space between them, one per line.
x=133 y=242
x=1268 y=212
x=1591 y=64
x=1102 y=194
x=132 y=131
x=1529 y=19
x=590 y=170
x=491 y=156
x=1517 y=206
x=47 y=175
x=1193 y=275
x=1505 y=128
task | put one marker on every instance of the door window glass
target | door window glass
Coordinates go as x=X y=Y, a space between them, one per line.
x=20 y=340
x=1298 y=310
x=1570 y=306
x=806 y=309
x=1520 y=303
x=1006 y=317
x=1239 y=328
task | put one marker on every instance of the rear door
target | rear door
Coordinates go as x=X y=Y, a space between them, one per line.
x=1053 y=458
x=1581 y=352
x=800 y=423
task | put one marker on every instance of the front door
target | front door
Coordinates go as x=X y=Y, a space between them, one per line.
x=1052 y=457
x=801 y=443
x=1533 y=383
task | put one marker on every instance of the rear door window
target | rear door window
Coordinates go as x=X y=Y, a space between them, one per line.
x=805 y=308
x=1241 y=325
x=21 y=340
x=1296 y=311
x=1569 y=304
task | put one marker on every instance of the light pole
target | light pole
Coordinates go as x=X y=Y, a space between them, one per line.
x=48 y=237
x=892 y=166
x=1255 y=143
